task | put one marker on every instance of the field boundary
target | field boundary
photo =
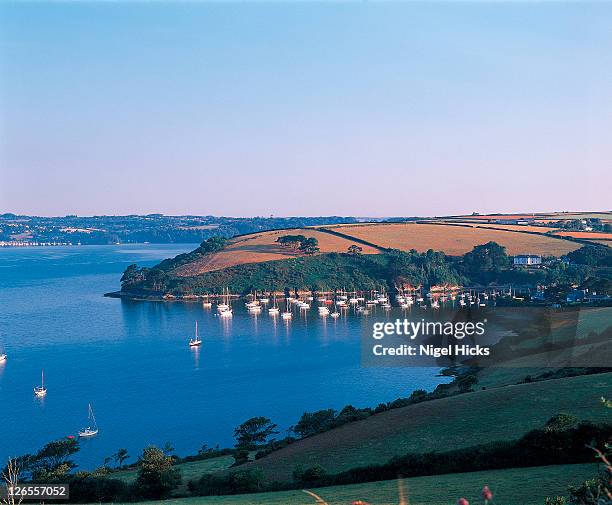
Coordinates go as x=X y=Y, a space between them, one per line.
x=354 y=239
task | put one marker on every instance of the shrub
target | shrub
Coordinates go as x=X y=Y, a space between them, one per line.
x=156 y=476
x=315 y=475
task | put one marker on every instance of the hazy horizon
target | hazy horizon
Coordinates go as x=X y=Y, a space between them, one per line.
x=305 y=109
x=281 y=216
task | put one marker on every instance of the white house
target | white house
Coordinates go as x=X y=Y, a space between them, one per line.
x=527 y=259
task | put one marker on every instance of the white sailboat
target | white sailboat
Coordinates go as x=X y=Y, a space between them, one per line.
x=287 y=314
x=92 y=429
x=274 y=310
x=3 y=357
x=41 y=390
x=225 y=309
x=195 y=341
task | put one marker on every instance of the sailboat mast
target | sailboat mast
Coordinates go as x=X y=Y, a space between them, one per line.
x=93 y=418
x=196 y=330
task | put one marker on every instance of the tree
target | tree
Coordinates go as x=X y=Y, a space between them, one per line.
x=157 y=279
x=312 y=423
x=560 y=422
x=156 y=475
x=254 y=432
x=213 y=244
x=309 y=476
x=52 y=462
x=309 y=246
x=121 y=456
x=465 y=382
x=10 y=476
x=489 y=257
x=291 y=241
x=168 y=449
x=355 y=250
x=592 y=255
x=132 y=275
x=240 y=456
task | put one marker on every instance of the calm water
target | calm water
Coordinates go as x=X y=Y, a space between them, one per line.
x=132 y=362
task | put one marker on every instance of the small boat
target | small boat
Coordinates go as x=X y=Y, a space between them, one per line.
x=3 y=358
x=41 y=391
x=92 y=429
x=335 y=314
x=225 y=308
x=273 y=311
x=287 y=314
x=196 y=341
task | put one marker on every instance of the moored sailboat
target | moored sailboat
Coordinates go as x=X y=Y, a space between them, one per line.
x=41 y=390
x=195 y=341
x=92 y=429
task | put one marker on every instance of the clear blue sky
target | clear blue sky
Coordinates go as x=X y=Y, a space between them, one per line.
x=305 y=108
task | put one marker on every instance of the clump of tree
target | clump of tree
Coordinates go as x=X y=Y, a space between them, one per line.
x=311 y=476
x=592 y=256
x=52 y=463
x=300 y=243
x=254 y=433
x=291 y=241
x=157 y=476
x=213 y=244
x=118 y=458
x=560 y=422
x=421 y=269
x=486 y=258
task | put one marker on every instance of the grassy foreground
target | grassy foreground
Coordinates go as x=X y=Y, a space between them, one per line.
x=518 y=486
x=504 y=413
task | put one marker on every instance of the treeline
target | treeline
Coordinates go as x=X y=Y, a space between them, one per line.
x=558 y=443
x=154 y=228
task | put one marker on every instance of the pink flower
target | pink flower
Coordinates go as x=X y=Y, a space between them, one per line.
x=462 y=501
x=486 y=493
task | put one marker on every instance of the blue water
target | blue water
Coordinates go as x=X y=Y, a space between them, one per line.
x=131 y=361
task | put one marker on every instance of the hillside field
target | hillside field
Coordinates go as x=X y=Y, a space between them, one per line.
x=261 y=247
x=455 y=240
x=504 y=413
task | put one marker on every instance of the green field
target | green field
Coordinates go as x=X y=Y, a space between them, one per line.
x=190 y=470
x=503 y=413
x=518 y=486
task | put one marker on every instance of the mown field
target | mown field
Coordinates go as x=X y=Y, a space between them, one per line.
x=261 y=247
x=503 y=413
x=455 y=240
x=517 y=486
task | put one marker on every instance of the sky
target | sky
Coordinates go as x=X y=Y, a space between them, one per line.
x=303 y=108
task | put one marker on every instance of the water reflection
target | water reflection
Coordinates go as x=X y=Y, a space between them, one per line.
x=195 y=352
